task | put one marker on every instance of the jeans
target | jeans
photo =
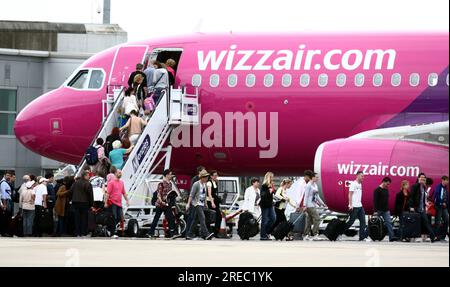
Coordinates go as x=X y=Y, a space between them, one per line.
x=37 y=220
x=80 y=210
x=117 y=214
x=197 y=214
x=442 y=214
x=386 y=215
x=61 y=228
x=218 y=215
x=169 y=216
x=426 y=223
x=358 y=213
x=312 y=217
x=267 y=220
x=28 y=218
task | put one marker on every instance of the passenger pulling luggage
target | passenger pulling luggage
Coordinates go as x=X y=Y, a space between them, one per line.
x=377 y=230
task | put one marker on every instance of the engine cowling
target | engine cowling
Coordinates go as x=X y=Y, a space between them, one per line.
x=338 y=161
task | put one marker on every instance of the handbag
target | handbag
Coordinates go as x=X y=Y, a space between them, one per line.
x=430 y=209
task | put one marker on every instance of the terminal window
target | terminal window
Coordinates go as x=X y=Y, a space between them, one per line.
x=8 y=100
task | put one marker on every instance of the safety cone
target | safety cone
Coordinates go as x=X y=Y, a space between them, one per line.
x=223 y=228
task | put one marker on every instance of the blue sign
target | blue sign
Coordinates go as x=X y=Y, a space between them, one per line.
x=142 y=151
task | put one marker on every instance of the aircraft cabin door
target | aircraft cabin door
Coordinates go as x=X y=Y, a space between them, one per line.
x=124 y=63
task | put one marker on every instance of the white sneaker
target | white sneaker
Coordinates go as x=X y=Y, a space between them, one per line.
x=316 y=238
x=419 y=240
x=368 y=239
x=307 y=237
x=114 y=237
x=427 y=239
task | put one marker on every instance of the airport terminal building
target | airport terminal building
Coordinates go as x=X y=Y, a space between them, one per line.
x=36 y=57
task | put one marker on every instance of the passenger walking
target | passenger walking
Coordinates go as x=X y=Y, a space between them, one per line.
x=197 y=199
x=40 y=203
x=160 y=81
x=252 y=197
x=441 y=201
x=111 y=175
x=82 y=200
x=62 y=204
x=213 y=200
x=134 y=125
x=311 y=202
x=51 y=192
x=267 y=208
x=149 y=75
x=381 y=206
x=5 y=195
x=417 y=203
x=116 y=190
x=170 y=67
x=130 y=102
x=356 y=208
x=140 y=89
x=26 y=179
x=103 y=162
x=27 y=201
x=281 y=201
x=117 y=154
x=98 y=183
x=402 y=203
x=163 y=206
x=114 y=136
x=139 y=68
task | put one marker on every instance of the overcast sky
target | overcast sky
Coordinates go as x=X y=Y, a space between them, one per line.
x=144 y=19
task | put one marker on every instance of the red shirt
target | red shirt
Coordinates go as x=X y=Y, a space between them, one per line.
x=116 y=189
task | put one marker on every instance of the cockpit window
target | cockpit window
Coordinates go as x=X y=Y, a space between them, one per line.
x=87 y=80
x=96 y=80
x=79 y=80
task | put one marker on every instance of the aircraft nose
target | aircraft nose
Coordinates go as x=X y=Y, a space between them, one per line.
x=32 y=125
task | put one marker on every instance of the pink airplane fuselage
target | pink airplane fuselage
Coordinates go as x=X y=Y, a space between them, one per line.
x=307 y=116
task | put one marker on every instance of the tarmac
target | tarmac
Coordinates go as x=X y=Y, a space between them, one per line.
x=86 y=252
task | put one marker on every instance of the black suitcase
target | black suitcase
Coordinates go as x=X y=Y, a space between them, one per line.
x=282 y=230
x=411 y=226
x=91 y=221
x=46 y=222
x=210 y=216
x=377 y=230
x=334 y=228
x=248 y=226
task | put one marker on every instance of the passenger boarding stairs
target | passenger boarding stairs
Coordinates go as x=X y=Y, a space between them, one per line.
x=174 y=109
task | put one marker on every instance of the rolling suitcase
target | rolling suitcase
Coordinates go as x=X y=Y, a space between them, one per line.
x=16 y=225
x=46 y=222
x=334 y=228
x=282 y=230
x=411 y=226
x=377 y=230
x=299 y=226
x=248 y=226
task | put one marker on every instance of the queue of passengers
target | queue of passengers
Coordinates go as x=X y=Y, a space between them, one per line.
x=41 y=197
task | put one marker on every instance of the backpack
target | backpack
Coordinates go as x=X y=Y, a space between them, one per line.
x=91 y=155
x=155 y=195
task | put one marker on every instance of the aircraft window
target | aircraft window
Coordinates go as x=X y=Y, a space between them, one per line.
x=359 y=80
x=232 y=80
x=250 y=80
x=268 y=80
x=286 y=80
x=196 y=80
x=340 y=80
x=447 y=79
x=323 y=80
x=304 y=80
x=377 y=79
x=214 y=80
x=96 y=81
x=414 y=80
x=396 y=79
x=80 y=79
x=432 y=79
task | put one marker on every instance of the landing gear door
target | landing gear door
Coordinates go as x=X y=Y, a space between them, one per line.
x=124 y=63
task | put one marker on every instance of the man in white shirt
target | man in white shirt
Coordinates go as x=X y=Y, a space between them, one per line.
x=252 y=197
x=40 y=203
x=311 y=201
x=356 y=210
